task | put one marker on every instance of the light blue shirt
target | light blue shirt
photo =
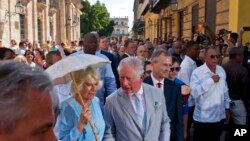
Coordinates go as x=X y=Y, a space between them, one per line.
x=69 y=117
x=211 y=99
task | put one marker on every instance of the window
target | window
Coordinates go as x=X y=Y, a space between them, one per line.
x=22 y=28
x=39 y=29
x=122 y=23
x=195 y=18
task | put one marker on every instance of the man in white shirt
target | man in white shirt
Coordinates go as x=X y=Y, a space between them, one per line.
x=210 y=93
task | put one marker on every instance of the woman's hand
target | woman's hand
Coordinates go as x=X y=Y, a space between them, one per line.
x=85 y=117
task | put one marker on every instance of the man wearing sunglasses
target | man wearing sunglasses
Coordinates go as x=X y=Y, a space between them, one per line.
x=210 y=93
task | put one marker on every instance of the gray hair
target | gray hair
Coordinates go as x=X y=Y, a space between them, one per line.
x=133 y=62
x=16 y=80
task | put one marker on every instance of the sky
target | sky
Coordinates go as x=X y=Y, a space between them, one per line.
x=119 y=8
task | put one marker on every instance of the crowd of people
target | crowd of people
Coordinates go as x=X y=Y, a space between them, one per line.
x=177 y=90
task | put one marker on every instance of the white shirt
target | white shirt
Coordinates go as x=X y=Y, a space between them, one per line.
x=132 y=99
x=211 y=99
x=155 y=82
x=188 y=65
x=63 y=91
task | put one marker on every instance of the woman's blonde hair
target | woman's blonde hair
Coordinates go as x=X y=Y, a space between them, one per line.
x=82 y=75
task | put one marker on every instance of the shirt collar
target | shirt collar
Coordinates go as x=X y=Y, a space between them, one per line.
x=206 y=69
x=155 y=81
x=189 y=59
x=140 y=92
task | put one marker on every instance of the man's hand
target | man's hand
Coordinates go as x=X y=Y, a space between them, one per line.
x=185 y=90
x=216 y=78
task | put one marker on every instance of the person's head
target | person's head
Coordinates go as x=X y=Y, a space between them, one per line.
x=13 y=42
x=129 y=47
x=88 y=82
x=150 y=48
x=212 y=57
x=161 y=62
x=130 y=72
x=39 y=54
x=29 y=55
x=142 y=52
x=52 y=57
x=177 y=46
x=147 y=68
x=174 y=70
x=192 y=49
x=114 y=47
x=23 y=45
x=121 y=51
x=80 y=43
x=233 y=37
x=6 y=54
x=103 y=43
x=237 y=54
x=21 y=59
x=90 y=43
x=124 y=39
x=27 y=104
x=202 y=55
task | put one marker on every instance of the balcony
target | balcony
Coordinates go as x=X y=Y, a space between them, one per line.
x=52 y=7
x=24 y=2
x=157 y=5
x=41 y=5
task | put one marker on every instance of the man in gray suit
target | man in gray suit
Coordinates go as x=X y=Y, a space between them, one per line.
x=136 y=111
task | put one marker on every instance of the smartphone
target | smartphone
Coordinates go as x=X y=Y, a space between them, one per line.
x=246 y=28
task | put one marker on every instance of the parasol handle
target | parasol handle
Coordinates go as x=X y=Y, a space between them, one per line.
x=90 y=122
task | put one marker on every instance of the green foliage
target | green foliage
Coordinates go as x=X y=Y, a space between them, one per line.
x=95 y=18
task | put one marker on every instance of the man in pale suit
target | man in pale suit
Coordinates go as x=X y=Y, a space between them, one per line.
x=136 y=111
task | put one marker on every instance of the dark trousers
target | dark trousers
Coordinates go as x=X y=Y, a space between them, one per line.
x=207 y=131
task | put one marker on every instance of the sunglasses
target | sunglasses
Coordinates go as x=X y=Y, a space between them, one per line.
x=175 y=69
x=213 y=56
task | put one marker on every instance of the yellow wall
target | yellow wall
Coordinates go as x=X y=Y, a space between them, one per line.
x=239 y=16
x=150 y=30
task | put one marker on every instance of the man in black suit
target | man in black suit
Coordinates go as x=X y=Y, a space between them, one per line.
x=129 y=49
x=104 y=46
x=161 y=62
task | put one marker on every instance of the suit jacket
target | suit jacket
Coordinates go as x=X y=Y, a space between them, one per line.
x=114 y=64
x=172 y=93
x=122 y=123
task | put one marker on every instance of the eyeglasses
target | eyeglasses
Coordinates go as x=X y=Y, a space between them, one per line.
x=175 y=68
x=213 y=56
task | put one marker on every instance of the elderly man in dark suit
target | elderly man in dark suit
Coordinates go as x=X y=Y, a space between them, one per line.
x=161 y=62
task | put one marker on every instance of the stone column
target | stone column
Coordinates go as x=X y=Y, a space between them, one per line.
x=34 y=20
x=60 y=16
x=68 y=22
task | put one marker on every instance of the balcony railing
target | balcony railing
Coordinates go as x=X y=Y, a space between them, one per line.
x=52 y=7
x=41 y=4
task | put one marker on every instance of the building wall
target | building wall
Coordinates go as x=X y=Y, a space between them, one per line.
x=121 y=24
x=32 y=13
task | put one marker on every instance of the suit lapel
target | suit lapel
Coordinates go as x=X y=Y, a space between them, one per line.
x=127 y=106
x=149 y=105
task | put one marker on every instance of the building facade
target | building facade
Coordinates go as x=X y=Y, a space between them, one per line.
x=162 y=20
x=40 y=20
x=120 y=27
